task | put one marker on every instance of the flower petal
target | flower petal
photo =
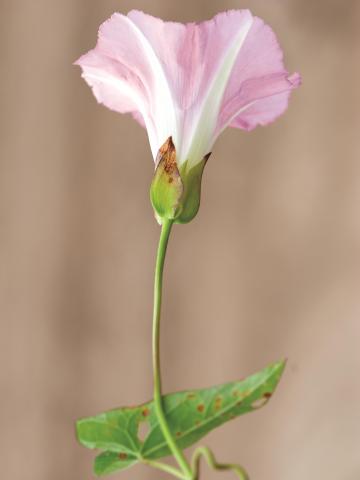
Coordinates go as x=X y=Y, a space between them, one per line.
x=112 y=84
x=197 y=60
x=258 y=75
x=260 y=104
x=190 y=81
x=220 y=72
x=126 y=75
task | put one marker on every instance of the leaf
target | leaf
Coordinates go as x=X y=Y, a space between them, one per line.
x=109 y=462
x=190 y=415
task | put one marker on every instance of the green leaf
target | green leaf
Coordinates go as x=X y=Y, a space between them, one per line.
x=109 y=462
x=190 y=414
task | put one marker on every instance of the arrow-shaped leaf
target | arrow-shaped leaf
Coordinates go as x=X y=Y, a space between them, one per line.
x=190 y=415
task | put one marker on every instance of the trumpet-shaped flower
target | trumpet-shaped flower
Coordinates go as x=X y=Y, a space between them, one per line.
x=189 y=82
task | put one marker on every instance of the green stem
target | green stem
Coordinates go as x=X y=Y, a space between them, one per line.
x=159 y=268
x=210 y=458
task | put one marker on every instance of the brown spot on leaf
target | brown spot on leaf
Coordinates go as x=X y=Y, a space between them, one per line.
x=235 y=393
x=218 y=403
x=267 y=394
x=190 y=396
x=123 y=456
x=146 y=412
x=170 y=179
x=178 y=434
x=201 y=407
x=239 y=403
x=197 y=423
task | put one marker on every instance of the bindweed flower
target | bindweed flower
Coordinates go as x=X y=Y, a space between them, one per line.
x=186 y=84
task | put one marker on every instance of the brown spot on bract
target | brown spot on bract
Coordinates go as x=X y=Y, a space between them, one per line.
x=170 y=179
x=123 y=456
x=201 y=407
x=167 y=154
x=146 y=412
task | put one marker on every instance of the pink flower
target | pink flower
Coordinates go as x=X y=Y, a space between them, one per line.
x=190 y=82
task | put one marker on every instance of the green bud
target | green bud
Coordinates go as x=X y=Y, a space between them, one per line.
x=175 y=194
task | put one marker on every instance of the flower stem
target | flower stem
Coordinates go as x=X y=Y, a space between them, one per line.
x=159 y=268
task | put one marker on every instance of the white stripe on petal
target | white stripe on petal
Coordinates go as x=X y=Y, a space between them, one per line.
x=167 y=124
x=202 y=137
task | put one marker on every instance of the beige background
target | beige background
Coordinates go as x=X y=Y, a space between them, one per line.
x=269 y=268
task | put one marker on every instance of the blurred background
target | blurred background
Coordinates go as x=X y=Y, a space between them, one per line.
x=270 y=267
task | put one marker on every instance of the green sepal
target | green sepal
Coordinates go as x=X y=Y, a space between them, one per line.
x=190 y=415
x=167 y=186
x=190 y=200
x=175 y=193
